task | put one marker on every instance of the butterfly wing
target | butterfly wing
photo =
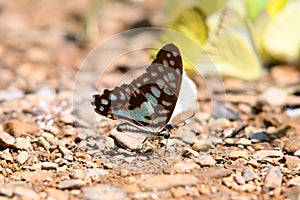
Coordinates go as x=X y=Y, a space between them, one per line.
x=281 y=36
x=232 y=49
x=191 y=24
x=149 y=100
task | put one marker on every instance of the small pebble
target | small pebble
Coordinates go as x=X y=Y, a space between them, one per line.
x=18 y=128
x=109 y=143
x=6 y=140
x=284 y=75
x=292 y=162
x=237 y=141
x=249 y=175
x=268 y=155
x=202 y=145
x=67 y=119
x=53 y=193
x=66 y=153
x=163 y=182
x=273 y=96
x=22 y=157
x=239 y=179
x=95 y=172
x=238 y=154
x=292 y=146
x=129 y=159
x=190 y=153
x=185 y=166
x=23 y=143
x=273 y=179
x=213 y=173
x=297 y=153
x=294 y=181
x=44 y=143
x=102 y=191
x=127 y=139
x=26 y=193
x=178 y=192
x=71 y=184
x=205 y=160
x=49 y=165
x=6 y=155
x=253 y=162
x=247 y=188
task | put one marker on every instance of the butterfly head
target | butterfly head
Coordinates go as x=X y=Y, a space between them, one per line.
x=166 y=132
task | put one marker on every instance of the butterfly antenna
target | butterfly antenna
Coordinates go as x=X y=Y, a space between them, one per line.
x=183 y=122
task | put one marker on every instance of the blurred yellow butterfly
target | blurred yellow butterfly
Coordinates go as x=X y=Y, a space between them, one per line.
x=262 y=15
x=190 y=31
x=282 y=34
x=229 y=50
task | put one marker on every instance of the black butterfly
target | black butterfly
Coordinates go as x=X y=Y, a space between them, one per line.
x=147 y=103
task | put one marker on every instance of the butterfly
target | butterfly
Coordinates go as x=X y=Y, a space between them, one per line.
x=147 y=103
x=225 y=43
x=231 y=47
x=190 y=31
x=281 y=34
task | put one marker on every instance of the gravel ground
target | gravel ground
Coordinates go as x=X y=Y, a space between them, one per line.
x=48 y=153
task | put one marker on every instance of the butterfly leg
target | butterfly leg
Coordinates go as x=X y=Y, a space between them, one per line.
x=166 y=133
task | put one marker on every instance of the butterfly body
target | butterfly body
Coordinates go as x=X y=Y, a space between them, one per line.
x=147 y=103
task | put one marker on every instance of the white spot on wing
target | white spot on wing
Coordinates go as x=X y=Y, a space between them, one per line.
x=163 y=111
x=172 y=63
x=101 y=108
x=122 y=96
x=155 y=91
x=113 y=97
x=165 y=62
x=160 y=83
x=104 y=101
x=154 y=74
x=173 y=85
x=127 y=90
x=175 y=54
x=160 y=68
x=146 y=79
x=166 y=78
x=171 y=76
x=166 y=103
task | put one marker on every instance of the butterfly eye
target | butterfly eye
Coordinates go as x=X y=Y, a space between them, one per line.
x=166 y=134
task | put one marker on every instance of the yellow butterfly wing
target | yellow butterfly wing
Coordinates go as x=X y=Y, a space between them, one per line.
x=282 y=35
x=273 y=7
x=254 y=8
x=189 y=31
x=175 y=8
x=260 y=22
x=231 y=49
x=191 y=23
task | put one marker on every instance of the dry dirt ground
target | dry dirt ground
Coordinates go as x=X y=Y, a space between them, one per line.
x=46 y=155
